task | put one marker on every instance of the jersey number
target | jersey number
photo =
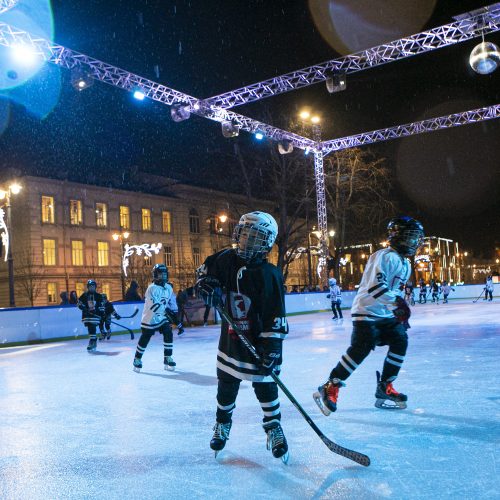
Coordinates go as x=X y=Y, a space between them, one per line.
x=278 y=323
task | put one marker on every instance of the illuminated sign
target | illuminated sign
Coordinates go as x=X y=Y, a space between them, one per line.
x=146 y=249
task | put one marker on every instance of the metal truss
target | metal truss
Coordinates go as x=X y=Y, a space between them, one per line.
x=319 y=177
x=7 y=4
x=475 y=24
x=420 y=127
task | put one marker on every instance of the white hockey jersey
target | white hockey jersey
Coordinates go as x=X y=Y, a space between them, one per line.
x=383 y=280
x=335 y=293
x=156 y=302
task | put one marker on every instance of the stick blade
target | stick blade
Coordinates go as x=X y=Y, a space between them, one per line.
x=355 y=456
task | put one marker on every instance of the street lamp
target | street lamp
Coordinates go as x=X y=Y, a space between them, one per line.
x=14 y=189
x=120 y=237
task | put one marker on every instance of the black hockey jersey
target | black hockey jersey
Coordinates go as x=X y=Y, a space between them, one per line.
x=92 y=307
x=254 y=298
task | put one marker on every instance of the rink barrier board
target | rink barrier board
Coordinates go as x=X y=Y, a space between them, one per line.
x=36 y=325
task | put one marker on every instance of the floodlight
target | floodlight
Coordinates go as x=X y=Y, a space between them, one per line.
x=180 y=112
x=259 y=136
x=285 y=146
x=336 y=82
x=229 y=129
x=139 y=95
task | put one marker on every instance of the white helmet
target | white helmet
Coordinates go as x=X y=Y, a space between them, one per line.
x=332 y=281
x=255 y=235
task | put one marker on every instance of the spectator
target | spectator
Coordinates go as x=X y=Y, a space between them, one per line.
x=181 y=299
x=64 y=299
x=132 y=294
x=73 y=298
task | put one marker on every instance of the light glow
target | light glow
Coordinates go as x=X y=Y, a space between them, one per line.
x=139 y=95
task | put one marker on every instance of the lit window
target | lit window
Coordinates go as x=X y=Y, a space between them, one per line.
x=105 y=288
x=194 y=221
x=166 y=218
x=168 y=256
x=146 y=219
x=48 y=209
x=52 y=293
x=102 y=253
x=77 y=252
x=49 y=252
x=75 y=212
x=148 y=261
x=101 y=214
x=196 y=256
x=124 y=217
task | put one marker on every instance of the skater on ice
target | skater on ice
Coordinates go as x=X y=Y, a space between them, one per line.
x=446 y=289
x=435 y=291
x=255 y=301
x=488 y=289
x=380 y=317
x=422 y=296
x=92 y=307
x=105 y=322
x=335 y=295
x=160 y=308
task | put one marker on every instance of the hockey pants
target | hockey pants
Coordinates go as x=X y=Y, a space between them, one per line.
x=365 y=336
x=165 y=330
x=92 y=329
x=337 y=312
x=227 y=390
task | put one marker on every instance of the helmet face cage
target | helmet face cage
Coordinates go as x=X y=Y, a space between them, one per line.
x=160 y=273
x=405 y=235
x=251 y=241
x=91 y=283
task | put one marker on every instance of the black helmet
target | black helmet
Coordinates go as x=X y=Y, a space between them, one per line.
x=91 y=283
x=405 y=235
x=160 y=274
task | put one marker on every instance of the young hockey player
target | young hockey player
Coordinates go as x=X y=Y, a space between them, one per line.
x=409 y=293
x=422 y=296
x=255 y=300
x=445 y=288
x=105 y=322
x=160 y=309
x=375 y=322
x=435 y=291
x=488 y=289
x=335 y=296
x=91 y=305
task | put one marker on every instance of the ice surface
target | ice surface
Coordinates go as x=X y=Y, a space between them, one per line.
x=75 y=425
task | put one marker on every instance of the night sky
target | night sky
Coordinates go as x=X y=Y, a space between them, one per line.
x=448 y=179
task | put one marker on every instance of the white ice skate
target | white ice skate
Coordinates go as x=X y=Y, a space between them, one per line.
x=169 y=364
x=137 y=365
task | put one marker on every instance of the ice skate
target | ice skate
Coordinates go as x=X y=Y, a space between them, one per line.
x=276 y=441
x=108 y=336
x=387 y=397
x=221 y=435
x=137 y=365
x=169 y=364
x=92 y=345
x=327 y=394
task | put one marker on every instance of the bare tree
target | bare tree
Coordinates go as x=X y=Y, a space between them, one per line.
x=358 y=190
x=139 y=270
x=29 y=275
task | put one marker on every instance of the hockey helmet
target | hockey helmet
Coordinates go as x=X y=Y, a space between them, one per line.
x=332 y=281
x=104 y=297
x=405 y=235
x=255 y=235
x=160 y=274
x=91 y=284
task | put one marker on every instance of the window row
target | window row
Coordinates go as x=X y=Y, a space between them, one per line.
x=101 y=215
x=49 y=252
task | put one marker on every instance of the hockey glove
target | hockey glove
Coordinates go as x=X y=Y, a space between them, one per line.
x=270 y=354
x=328 y=296
x=117 y=316
x=402 y=312
x=210 y=290
x=172 y=316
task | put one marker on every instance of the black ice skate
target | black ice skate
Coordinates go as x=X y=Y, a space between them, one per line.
x=137 y=365
x=276 y=441
x=108 y=336
x=387 y=397
x=92 y=345
x=327 y=394
x=169 y=364
x=221 y=435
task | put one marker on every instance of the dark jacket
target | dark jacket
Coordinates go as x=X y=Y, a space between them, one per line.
x=132 y=294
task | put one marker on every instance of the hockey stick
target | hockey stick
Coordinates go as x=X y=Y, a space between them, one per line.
x=474 y=301
x=132 y=315
x=125 y=328
x=360 y=458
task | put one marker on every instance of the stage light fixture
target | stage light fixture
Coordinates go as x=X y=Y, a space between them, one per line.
x=336 y=82
x=259 y=136
x=229 y=129
x=180 y=112
x=139 y=95
x=80 y=79
x=485 y=58
x=285 y=147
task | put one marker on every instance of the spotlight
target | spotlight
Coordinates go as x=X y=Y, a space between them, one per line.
x=139 y=95
x=24 y=54
x=180 y=112
x=80 y=79
x=336 y=82
x=259 y=136
x=285 y=146
x=485 y=58
x=307 y=151
x=229 y=129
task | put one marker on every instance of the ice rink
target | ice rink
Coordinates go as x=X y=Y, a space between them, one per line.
x=75 y=425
